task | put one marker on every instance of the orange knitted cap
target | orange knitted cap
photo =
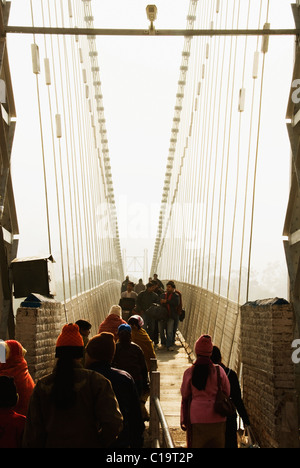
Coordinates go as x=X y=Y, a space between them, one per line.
x=70 y=341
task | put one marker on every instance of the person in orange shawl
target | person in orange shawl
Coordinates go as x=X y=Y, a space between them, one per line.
x=16 y=367
x=112 y=321
x=141 y=337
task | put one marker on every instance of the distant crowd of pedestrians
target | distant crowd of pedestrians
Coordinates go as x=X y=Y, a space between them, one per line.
x=161 y=308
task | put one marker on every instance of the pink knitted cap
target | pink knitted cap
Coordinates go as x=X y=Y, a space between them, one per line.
x=204 y=346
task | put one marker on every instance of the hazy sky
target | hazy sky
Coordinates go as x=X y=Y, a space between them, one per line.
x=139 y=82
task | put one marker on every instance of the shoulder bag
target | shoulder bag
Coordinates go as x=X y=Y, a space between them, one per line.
x=223 y=404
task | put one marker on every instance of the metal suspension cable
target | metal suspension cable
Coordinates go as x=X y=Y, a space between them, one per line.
x=219 y=71
x=195 y=152
x=55 y=160
x=77 y=80
x=108 y=247
x=233 y=228
x=189 y=168
x=68 y=116
x=254 y=79
x=85 y=174
x=42 y=142
x=205 y=123
x=94 y=176
x=226 y=162
x=208 y=156
x=197 y=164
x=256 y=162
x=227 y=166
x=210 y=226
x=198 y=152
x=237 y=176
x=224 y=165
x=90 y=152
x=89 y=162
x=187 y=162
x=91 y=171
x=62 y=179
x=84 y=177
x=195 y=142
x=96 y=189
x=74 y=115
x=241 y=256
x=222 y=159
x=90 y=177
x=164 y=218
x=223 y=17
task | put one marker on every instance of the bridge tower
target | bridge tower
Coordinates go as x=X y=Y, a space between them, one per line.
x=136 y=265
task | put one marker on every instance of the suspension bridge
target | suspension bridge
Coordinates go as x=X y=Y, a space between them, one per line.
x=211 y=234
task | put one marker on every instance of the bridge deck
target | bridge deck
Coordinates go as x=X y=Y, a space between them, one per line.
x=171 y=366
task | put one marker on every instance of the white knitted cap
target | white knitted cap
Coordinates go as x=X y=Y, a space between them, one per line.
x=116 y=310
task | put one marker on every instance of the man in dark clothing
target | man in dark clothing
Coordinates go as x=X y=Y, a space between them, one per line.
x=100 y=352
x=130 y=357
x=159 y=290
x=236 y=396
x=179 y=311
x=146 y=298
x=170 y=300
x=124 y=284
x=160 y=284
x=144 y=301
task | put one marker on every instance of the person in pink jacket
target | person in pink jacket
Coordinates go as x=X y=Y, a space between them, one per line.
x=205 y=428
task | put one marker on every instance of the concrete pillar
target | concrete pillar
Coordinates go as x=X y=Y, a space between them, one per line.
x=37 y=330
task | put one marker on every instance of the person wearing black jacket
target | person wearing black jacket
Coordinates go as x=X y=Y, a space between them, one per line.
x=100 y=352
x=159 y=291
x=146 y=298
x=170 y=300
x=236 y=396
x=144 y=301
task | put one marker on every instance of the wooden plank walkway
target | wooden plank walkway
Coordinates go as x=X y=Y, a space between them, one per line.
x=171 y=365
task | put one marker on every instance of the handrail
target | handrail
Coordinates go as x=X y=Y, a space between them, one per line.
x=164 y=425
x=157 y=417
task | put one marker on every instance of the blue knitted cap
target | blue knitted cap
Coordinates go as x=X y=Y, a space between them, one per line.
x=124 y=327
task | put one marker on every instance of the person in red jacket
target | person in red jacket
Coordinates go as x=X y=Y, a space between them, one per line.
x=16 y=367
x=112 y=321
x=11 y=423
x=205 y=427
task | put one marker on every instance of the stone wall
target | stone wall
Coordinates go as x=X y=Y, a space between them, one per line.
x=269 y=384
x=37 y=328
